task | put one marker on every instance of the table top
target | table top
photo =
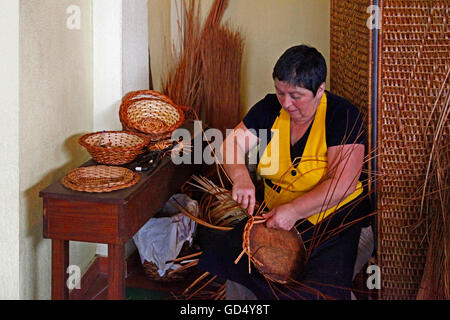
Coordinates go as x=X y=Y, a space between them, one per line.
x=150 y=178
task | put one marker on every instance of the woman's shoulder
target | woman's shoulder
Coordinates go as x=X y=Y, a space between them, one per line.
x=344 y=122
x=337 y=104
x=263 y=113
x=269 y=104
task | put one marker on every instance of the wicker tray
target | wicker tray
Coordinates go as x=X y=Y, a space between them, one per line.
x=152 y=113
x=114 y=147
x=100 y=179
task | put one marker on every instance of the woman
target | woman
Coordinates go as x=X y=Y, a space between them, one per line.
x=310 y=167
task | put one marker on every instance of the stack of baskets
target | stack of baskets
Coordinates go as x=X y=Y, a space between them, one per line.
x=147 y=117
x=151 y=113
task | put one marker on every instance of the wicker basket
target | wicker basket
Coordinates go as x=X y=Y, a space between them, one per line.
x=151 y=269
x=100 y=179
x=114 y=147
x=151 y=113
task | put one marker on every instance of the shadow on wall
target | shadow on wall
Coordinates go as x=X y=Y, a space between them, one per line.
x=40 y=248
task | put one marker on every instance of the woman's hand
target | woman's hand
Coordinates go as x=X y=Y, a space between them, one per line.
x=282 y=217
x=244 y=193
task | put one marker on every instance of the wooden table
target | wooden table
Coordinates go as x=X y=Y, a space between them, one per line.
x=111 y=218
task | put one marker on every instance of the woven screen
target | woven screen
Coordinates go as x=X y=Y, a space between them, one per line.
x=350 y=56
x=413 y=133
x=414 y=59
x=350 y=46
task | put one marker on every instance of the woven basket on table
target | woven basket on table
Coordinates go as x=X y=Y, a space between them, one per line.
x=100 y=179
x=114 y=147
x=151 y=113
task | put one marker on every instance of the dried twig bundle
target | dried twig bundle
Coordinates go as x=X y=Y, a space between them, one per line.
x=206 y=75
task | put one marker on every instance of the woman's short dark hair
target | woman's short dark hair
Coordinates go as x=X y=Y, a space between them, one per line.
x=301 y=66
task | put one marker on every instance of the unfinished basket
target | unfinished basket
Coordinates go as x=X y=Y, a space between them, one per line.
x=152 y=113
x=100 y=179
x=277 y=254
x=114 y=147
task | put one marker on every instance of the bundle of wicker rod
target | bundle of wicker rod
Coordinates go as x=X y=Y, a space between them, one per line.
x=151 y=113
x=100 y=179
x=114 y=147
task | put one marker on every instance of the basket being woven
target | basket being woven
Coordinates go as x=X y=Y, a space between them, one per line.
x=151 y=113
x=114 y=147
x=278 y=254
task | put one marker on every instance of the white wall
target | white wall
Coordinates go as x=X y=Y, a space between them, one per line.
x=55 y=110
x=120 y=37
x=47 y=85
x=269 y=27
x=9 y=150
x=120 y=62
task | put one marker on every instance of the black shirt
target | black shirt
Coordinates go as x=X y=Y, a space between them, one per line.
x=343 y=122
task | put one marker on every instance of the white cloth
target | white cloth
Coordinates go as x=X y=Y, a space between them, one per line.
x=161 y=239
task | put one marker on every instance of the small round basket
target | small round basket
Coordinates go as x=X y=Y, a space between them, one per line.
x=151 y=113
x=114 y=147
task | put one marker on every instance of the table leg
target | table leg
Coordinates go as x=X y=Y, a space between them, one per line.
x=116 y=271
x=60 y=263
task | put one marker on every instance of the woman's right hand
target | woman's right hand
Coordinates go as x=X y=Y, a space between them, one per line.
x=244 y=193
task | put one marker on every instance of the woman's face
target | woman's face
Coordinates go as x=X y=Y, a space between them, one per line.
x=300 y=103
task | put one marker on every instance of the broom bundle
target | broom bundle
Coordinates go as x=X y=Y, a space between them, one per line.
x=206 y=75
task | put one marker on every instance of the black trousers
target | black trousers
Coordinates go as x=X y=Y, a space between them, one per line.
x=329 y=269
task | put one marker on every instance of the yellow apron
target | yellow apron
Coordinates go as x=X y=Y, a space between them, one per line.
x=294 y=182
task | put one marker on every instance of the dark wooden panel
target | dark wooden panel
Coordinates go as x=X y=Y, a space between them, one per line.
x=60 y=263
x=81 y=221
x=116 y=272
x=158 y=190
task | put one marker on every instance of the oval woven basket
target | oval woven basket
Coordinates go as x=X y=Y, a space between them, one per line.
x=100 y=179
x=151 y=113
x=114 y=147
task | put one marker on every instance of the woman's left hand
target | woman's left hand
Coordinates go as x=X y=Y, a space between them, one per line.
x=282 y=217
